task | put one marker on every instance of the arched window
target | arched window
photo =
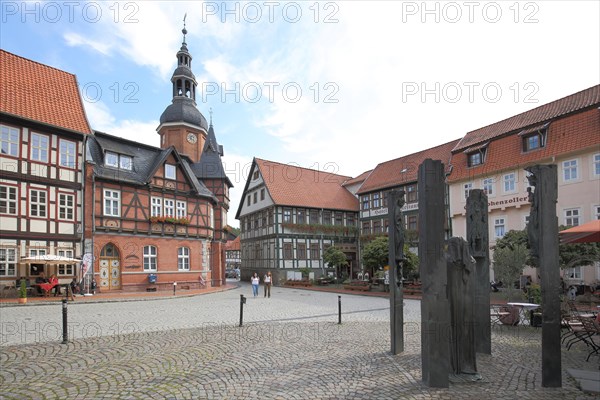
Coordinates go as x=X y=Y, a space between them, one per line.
x=150 y=263
x=183 y=259
x=179 y=88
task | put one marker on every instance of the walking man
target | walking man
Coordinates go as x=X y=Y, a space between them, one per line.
x=267 y=279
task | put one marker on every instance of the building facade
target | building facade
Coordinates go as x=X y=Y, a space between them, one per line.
x=566 y=133
x=290 y=215
x=41 y=168
x=233 y=254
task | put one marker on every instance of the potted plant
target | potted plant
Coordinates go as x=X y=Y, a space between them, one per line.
x=23 y=292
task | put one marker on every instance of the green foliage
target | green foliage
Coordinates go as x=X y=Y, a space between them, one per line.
x=335 y=257
x=577 y=254
x=534 y=293
x=411 y=263
x=375 y=253
x=509 y=262
x=305 y=272
x=23 y=289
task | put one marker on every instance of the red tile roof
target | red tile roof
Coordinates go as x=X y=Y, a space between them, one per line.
x=359 y=178
x=405 y=169
x=574 y=133
x=290 y=185
x=41 y=93
x=558 y=108
x=233 y=245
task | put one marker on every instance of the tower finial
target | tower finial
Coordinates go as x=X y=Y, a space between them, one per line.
x=184 y=31
x=210 y=112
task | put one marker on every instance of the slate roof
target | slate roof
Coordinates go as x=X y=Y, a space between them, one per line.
x=41 y=93
x=578 y=101
x=210 y=165
x=146 y=161
x=405 y=169
x=290 y=185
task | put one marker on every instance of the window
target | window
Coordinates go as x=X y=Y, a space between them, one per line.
x=255 y=175
x=301 y=216
x=170 y=171
x=573 y=273
x=375 y=200
x=8 y=262
x=596 y=165
x=314 y=217
x=37 y=203
x=365 y=202
x=67 y=153
x=183 y=259
x=534 y=141
x=125 y=162
x=149 y=258
x=301 y=251
x=488 y=186
x=287 y=251
x=65 y=206
x=116 y=160
x=35 y=269
x=412 y=222
x=264 y=218
x=499 y=228
x=8 y=200
x=366 y=228
x=411 y=193
x=262 y=194
x=287 y=215
x=350 y=220
x=249 y=200
x=314 y=251
x=572 y=216
x=169 y=208
x=570 y=170
x=475 y=159
x=338 y=218
x=66 y=269
x=596 y=212
x=467 y=189
x=326 y=217
x=255 y=197
x=9 y=141
x=39 y=147
x=181 y=209
x=509 y=182
x=112 y=203
x=376 y=226
x=156 y=207
x=270 y=216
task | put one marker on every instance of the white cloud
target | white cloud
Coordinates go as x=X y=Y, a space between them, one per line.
x=74 y=39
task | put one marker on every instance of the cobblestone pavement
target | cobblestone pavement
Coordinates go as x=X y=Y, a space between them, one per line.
x=290 y=347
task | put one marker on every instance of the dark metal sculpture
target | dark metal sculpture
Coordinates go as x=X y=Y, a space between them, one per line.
x=396 y=258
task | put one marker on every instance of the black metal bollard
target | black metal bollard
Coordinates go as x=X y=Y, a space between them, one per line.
x=339 y=309
x=174 y=287
x=242 y=302
x=64 y=320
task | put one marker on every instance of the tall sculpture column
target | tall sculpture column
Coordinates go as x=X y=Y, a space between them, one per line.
x=435 y=310
x=396 y=258
x=478 y=239
x=542 y=232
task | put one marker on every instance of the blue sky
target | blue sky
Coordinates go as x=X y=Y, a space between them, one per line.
x=337 y=86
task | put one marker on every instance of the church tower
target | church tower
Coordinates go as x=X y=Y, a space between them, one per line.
x=182 y=125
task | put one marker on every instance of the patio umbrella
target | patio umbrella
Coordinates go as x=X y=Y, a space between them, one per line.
x=49 y=259
x=588 y=232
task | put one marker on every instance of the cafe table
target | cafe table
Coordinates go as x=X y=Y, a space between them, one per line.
x=523 y=310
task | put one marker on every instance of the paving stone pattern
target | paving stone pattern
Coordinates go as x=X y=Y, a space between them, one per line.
x=290 y=347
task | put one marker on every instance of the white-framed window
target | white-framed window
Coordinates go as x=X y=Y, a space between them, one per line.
x=499 y=227
x=156 y=207
x=66 y=204
x=570 y=171
x=488 y=186
x=125 y=162
x=67 y=153
x=181 y=209
x=38 y=206
x=365 y=202
x=287 y=215
x=8 y=262
x=573 y=273
x=169 y=208
x=183 y=259
x=596 y=165
x=149 y=258
x=116 y=160
x=9 y=141
x=595 y=211
x=66 y=269
x=112 y=203
x=509 y=182
x=39 y=147
x=467 y=187
x=376 y=200
x=475 y=159
x=170 y=171
x=572 y=216
x=8 y=200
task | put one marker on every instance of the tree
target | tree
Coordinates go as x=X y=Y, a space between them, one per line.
x=573 y=255
x=376 y=254
x=335 y=257
x=509 y=262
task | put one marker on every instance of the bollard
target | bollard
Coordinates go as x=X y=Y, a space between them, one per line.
x=339 y=310
x=64 y=320
x=174 y=287
x=242 y=302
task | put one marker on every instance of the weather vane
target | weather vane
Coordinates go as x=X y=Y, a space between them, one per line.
x=184 y=31
x=210 y=112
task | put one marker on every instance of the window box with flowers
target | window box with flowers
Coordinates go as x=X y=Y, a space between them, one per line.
x=170 y=220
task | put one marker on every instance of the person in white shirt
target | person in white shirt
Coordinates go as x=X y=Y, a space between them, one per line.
x=255 y=281
x=267 y=280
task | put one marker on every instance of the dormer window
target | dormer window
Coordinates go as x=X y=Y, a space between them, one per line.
x=170 y=171
x=534 y=138
x=119 y=161
x=475 y=159
x=476 y=154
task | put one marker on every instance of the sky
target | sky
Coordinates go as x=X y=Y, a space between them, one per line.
x=337 y=86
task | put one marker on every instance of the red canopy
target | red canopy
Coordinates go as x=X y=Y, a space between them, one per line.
x=588 y=232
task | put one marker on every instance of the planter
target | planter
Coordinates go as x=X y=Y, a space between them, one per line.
x=364 y=288
x=22 y=300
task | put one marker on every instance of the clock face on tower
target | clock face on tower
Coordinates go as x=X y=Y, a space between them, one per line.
x=191 y=138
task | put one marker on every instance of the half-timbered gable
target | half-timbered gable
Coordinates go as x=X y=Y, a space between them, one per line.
x=41 y=161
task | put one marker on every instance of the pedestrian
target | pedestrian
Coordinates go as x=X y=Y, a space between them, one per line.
x=255 y=281
x=238 y=274
x=267 y=280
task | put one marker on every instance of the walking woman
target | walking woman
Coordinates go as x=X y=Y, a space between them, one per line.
x=255 y=281
x=267 y=280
